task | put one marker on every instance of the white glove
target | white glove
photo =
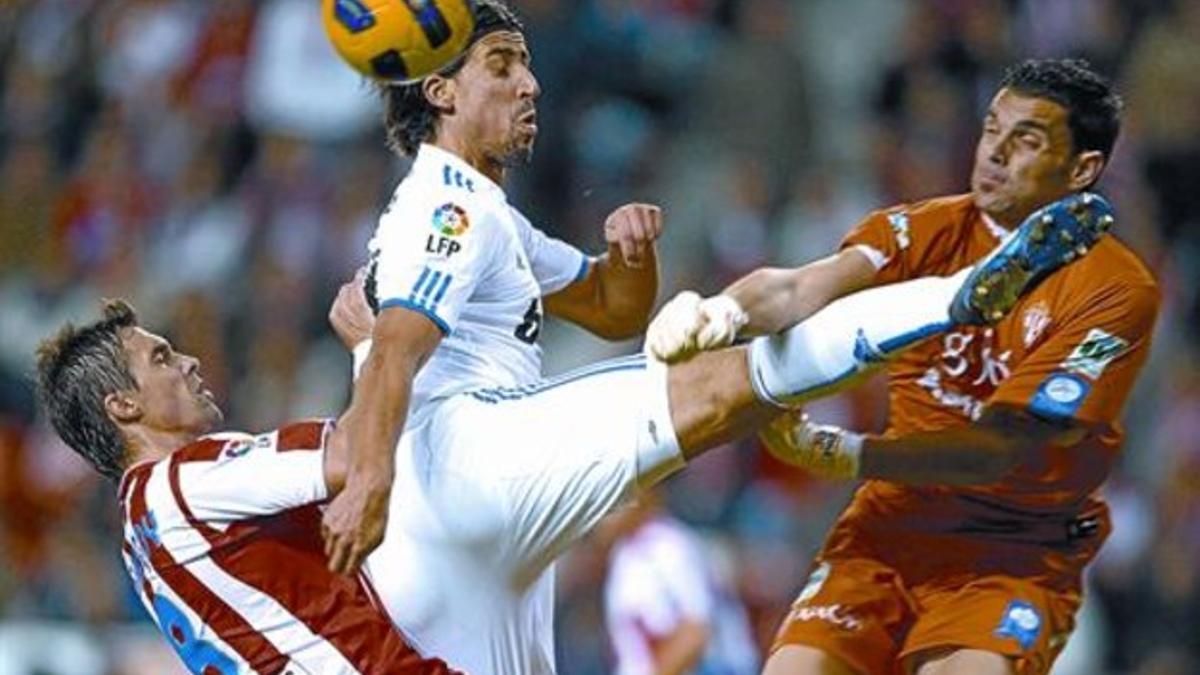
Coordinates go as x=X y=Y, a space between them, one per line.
x=688 y=324
x=823 y=450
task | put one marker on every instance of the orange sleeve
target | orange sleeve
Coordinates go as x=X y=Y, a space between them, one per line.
x=1086 y=367
x=901 y=246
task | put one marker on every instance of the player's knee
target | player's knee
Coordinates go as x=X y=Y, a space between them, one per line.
x=801 y=660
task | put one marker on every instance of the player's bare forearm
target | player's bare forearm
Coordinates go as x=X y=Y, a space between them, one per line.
x=965 y=456
x=679 y=652
x=615 y=298
x=977 y=454
x=377 y=412
x=776 y=299
x=354 y=522
x=626 y=294
x=352 y=319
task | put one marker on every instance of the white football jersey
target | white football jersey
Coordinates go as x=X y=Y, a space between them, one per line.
x=451 y=247
x=498 y=471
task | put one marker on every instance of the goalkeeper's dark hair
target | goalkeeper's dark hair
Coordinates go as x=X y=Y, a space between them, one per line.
x=408 y=117
x=1093 y=108
x=76 y=370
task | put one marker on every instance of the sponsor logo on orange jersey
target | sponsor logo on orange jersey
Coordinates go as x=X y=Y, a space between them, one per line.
x=1020 y=621
x=1060 y=395
x=967 y=359
x=836 y=615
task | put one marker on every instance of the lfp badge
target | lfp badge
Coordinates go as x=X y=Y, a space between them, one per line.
x=449 y=221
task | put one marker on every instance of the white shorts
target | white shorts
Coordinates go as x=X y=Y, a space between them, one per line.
x=493 y=485
x=562 y=451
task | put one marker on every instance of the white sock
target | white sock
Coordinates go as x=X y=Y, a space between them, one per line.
x=849 y=337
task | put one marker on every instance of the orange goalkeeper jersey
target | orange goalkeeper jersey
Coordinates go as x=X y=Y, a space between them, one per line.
x=1071 y=349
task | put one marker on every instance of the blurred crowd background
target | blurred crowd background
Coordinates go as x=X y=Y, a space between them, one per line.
x=214 y=163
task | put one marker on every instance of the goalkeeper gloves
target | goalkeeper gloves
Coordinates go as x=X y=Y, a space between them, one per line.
x=823 y=450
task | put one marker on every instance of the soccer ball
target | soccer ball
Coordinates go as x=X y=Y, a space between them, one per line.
x=398 y=40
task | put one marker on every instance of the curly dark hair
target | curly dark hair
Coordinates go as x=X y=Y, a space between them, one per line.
x=76 y=370
x=1093 y=108
x=408 y=116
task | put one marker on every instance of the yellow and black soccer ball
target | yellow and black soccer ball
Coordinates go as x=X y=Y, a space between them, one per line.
x=398 y=40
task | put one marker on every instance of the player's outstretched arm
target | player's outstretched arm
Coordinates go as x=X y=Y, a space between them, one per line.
x=362 y=448
x=767 y=300
x=979 y=453
x=776 y=299
x=615 y=298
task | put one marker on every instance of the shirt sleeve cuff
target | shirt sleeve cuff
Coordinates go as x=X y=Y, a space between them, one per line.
x=419 y=309
x=584 y=266
x=877 y=257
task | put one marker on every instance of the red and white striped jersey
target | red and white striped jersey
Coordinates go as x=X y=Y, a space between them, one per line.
x=222 y=539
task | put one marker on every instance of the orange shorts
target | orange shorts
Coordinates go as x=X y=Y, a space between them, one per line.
x=860 y=611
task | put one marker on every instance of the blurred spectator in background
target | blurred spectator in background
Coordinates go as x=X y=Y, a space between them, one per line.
x=667 y=608
x=216 y=162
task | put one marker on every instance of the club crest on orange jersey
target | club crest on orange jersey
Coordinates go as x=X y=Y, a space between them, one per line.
x=1034 y=322
x=449 y=222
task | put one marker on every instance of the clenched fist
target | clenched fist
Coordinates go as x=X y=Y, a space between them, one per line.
x=350 y=315
x=633 y=229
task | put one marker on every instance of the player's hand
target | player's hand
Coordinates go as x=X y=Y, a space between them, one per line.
x=823 y=450
x=354 y=522
x=350 y=315
x=633 y=229
x=688 y=324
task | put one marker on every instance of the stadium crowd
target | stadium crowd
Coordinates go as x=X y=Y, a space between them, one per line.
x=217 y=165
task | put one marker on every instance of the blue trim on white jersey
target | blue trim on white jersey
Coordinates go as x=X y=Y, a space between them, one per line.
x=427 y=292
x=422 y=290
x=419 y=309
x=500 y=394
x=583 y=269
x=412 y=296
x=441 y=292
x=452 y=177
